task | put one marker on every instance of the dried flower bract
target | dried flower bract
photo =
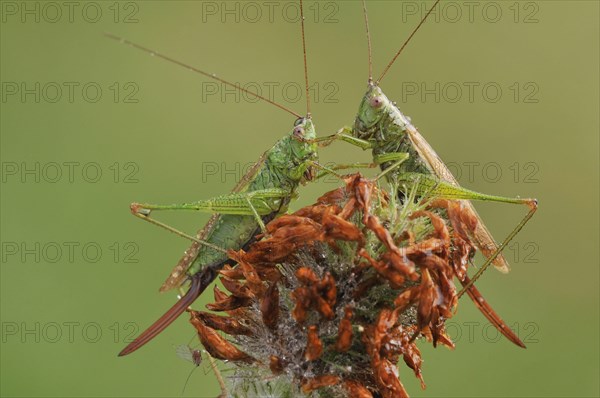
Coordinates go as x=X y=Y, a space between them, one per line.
x=336 y=294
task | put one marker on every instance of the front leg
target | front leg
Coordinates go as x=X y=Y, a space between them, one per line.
x=343 y=134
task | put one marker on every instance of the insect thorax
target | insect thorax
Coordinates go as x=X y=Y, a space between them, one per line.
x=391 y=136
x=283 y=167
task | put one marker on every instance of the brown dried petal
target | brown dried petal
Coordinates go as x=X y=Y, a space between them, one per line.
x=349 y=209
x=328 y=289
x=461 y=254
x=402 y=264
x=236 y=288
x=309 y=385
x=448 y=295
x=394 y=277
x=219 y=294
x=269 y=307
x=232 y=273
x=226 y=324
x=302 y=297
x=286 y=221
x=432 y=261
x=407 y=297
x=275 y=364
x=444 y=339
x=224 y=302
x=428 y=295
x=314 y=212
x=306 y=276
x=248 y=271
x=356 y=390
x=428 y=246
x=344 y=337
x=216 y=345
x=268 y=273
x=412 y=358
x=439 y=225
x=324 y=308
x=386 y=376
x=288 y=232
x=229 y=304
x=338 y=228
x=314 y=345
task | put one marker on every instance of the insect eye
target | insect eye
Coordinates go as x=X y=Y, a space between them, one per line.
x=298 y=132
x=376 y=102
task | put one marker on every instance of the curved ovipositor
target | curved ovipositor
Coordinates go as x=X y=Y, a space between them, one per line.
x=200 y=282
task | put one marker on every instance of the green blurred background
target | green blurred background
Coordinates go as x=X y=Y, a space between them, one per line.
x=157 y=135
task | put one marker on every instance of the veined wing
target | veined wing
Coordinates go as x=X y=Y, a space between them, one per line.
x=483 y=238
x=179 y=272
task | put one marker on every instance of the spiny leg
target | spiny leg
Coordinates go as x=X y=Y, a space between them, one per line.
x=440 y=189
x=397 y=157
x=253 y=203
x=343 y=134
x=324 y=170
x=356 y=165
x=259 y=220
x=145 y=215
x=533 y=207
x=487 y=310
x=428 y=185
x=234 y=203
x=343 y=166
x=444 y=190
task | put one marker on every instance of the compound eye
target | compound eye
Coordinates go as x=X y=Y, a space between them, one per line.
x=298 y=132
x=376 y=102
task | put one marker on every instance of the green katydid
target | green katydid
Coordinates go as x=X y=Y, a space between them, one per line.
x=239 y=218
x=383 y=128
x=262 y=194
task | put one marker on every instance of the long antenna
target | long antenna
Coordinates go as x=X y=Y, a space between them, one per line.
x=196 y=70
x=368 y=42
x=305 y=64
x=406 y=42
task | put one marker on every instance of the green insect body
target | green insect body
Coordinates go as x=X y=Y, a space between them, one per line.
x=286 y=166
x=408 y=161
x=262 y=194
x=383 y=125
x=388 y=131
